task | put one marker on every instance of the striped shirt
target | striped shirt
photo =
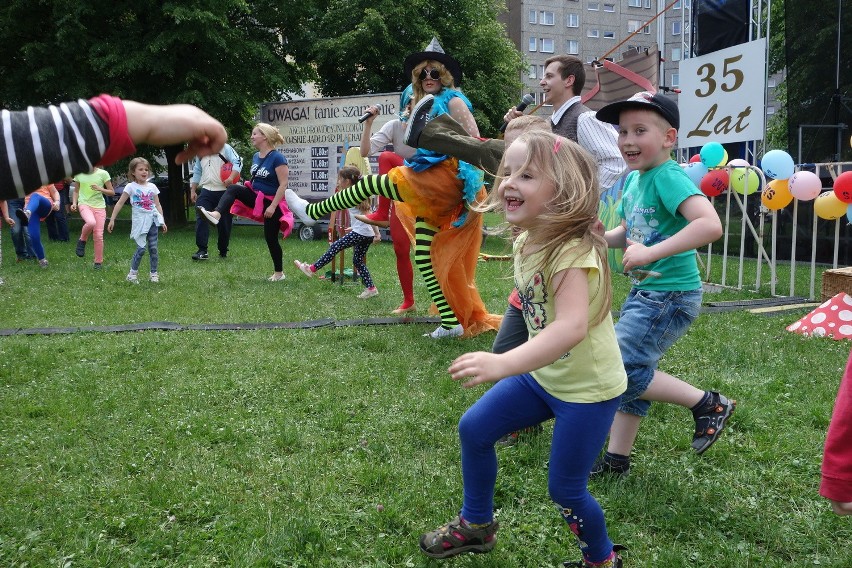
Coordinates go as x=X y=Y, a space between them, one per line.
x=42 y=145
x=600 y=139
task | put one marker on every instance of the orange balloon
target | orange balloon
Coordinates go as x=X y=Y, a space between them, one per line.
x=776 y=195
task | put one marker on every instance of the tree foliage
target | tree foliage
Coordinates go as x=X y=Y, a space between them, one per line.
x=358 y=46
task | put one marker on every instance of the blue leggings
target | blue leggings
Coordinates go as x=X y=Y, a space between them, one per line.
x=579 y=432
x=153 y=231
x=360 y=244
x=39 y=206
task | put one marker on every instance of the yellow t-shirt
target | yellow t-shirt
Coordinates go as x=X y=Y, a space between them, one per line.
x=88 y=196
x=592 y=371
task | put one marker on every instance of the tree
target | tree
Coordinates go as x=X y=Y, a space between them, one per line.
x=358 y=46
x=224 y=56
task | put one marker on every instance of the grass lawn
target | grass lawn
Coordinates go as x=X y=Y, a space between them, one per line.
x=336 y=446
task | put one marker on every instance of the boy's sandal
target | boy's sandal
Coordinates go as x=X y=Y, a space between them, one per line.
x=456 y=538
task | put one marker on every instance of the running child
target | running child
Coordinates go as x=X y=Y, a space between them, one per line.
x=37 y=206
x=570 y=369
x=360 y=238
x=147 y=217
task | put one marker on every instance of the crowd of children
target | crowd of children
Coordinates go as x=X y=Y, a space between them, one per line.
x=594 y=377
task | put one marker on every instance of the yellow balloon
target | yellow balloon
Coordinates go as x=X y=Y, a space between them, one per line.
x=738 y=181
x=776 y=195
x=828 y=206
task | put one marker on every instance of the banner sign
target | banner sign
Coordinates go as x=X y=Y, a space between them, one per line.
x=723 y=95
x=317 y=133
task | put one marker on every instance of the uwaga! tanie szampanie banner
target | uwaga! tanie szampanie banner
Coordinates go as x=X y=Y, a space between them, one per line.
x=317 y=133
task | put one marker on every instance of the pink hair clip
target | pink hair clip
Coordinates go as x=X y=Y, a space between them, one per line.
x=557 y=144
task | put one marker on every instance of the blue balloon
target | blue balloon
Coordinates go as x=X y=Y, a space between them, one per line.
x=777 y=164
x=713 y=154
x=849 y=213
x=696 y=171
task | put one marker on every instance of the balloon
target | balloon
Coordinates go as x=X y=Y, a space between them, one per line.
x=777 y=164
x=742 y=176
x=713 y=154
x=827 y=206
x=738 y=163
x=696 y=171
x=805 y=185
x=843 y=187
x=695 y=158
x=776 y=195
x=849 y=213
x=714 y=183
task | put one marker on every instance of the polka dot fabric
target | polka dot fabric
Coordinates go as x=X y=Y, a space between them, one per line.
x=833 y=319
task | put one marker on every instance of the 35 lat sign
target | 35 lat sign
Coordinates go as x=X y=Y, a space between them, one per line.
x=723 y=95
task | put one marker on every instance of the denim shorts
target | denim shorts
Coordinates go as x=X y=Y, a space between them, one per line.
x=649 y=324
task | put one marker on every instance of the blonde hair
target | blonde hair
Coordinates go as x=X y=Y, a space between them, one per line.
x=571 y=213
x=131 y=167
x=446 y=78
x=527 y=123
x=272 y=135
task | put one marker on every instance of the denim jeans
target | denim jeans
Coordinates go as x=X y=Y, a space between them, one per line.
x=649 y=324
x=20 y=236
x=152 y=250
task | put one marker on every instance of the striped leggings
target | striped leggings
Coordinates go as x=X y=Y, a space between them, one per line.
x=424 y=233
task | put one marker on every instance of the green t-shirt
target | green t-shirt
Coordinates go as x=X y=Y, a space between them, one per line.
x=649 y=206
x=88 y=196
x=592 y=371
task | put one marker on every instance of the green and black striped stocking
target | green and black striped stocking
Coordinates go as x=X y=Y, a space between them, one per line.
x=423 y=235
x=353 y=195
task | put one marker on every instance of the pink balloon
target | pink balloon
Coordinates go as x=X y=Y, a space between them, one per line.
x=805 y=186
x=738 y=163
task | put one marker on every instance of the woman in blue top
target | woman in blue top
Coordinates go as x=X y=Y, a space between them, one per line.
x=262 y=199
x=435 y=191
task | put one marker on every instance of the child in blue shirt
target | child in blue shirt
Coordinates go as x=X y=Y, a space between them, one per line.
x=665 y=218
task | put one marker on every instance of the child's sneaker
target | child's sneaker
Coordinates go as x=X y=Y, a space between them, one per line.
x=369 y=293
x=614 y=561
x=155 y=277
x=710 y=420
x=442 y=332
x=609 y=464
x=81 y=248
x=23 y=216
x=133 y=278
x=42 y=262
x=98 y=265
x=304 y=267
x=457 y=537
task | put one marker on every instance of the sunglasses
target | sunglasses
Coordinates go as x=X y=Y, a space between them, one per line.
x=433 y=74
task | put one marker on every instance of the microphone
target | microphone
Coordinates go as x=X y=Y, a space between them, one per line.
x=527 y=100
x=365 y=116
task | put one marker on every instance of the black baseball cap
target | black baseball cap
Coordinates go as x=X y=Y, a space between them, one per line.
x=647 y=100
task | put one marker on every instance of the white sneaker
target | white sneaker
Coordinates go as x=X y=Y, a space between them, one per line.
x=133 y=278
x=369 y=293
x=304 y=267
x=299 y=207
x=210 y=217
x=441 y=332
x=155 y=277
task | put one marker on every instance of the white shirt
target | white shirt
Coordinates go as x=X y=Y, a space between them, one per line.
x=599 y=138
x=391 y=132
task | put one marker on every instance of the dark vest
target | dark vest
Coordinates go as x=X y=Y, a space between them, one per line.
x=567 y=125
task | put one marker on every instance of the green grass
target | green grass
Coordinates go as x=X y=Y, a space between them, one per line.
x=276 y=447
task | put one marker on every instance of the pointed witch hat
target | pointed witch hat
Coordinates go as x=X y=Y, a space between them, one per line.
x=832 y=318
x=433 y=52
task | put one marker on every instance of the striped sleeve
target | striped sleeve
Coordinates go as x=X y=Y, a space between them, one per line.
x=601 y=140
x=42 y=145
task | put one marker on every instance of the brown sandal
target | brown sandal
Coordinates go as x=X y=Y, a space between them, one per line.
x=457 y=537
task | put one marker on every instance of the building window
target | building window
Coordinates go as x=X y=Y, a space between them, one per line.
x=676 y=28
x=675 y=82
x=532 y=74
x=633 y=25
x=593 y=33
x=634 y=3
x=573 y=47
x=594 y=6
x=676 y=54
x=609 y=35
x=533 y=16
x=770 y=110
x=609 y=7
x=677 y=5
x=533 y=44
x=646 y=3
x=547 y=19
x=772 y=83
x=546 y=45
x=572 y=21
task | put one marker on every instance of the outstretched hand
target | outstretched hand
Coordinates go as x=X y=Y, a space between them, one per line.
x=482 y=366
x=175 y=124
